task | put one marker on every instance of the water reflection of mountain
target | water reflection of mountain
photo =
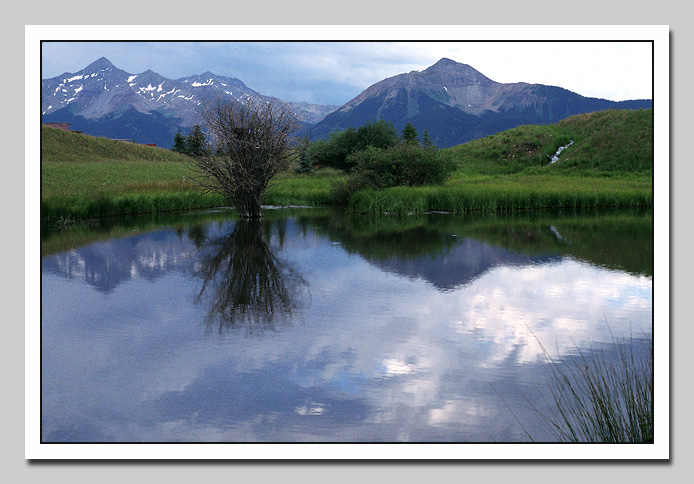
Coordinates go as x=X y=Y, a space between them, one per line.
x=423 y=248
x=459 y=265
x=105 y=265
x=447 y=251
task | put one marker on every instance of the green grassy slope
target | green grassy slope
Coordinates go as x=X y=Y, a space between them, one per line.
x=84 y=176
x=619 y=141
x=58 y=146
x=606 y=142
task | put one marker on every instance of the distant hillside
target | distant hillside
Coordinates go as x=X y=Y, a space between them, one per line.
x=60 y=146
x=605 y=141
x=456 y=104
x=125 y=123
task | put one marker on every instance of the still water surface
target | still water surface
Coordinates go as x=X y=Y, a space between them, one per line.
x=316 y=326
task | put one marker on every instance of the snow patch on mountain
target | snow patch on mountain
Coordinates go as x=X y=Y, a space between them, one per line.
x=101 y=88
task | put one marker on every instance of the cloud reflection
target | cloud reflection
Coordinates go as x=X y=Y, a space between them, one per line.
x=377 y=356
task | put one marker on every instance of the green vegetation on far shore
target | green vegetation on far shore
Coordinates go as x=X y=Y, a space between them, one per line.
x=516 y=192
x=610 y=163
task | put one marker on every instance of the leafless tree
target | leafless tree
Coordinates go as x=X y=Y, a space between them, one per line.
x=251 y=144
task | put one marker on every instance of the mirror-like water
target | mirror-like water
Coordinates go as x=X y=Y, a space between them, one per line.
x=315 y=326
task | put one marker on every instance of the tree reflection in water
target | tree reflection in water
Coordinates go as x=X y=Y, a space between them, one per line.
x=245 y=284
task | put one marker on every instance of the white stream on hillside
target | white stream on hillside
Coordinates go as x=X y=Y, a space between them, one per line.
x=555 y=158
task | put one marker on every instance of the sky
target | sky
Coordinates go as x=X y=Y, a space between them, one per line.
x=336 y=72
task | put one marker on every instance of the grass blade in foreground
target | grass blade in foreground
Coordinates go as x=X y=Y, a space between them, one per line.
x=603 y=398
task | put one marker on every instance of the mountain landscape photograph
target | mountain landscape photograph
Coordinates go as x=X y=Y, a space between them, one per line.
x=327 y=242
x=455 y=102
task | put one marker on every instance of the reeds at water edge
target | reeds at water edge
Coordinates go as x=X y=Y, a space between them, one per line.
x=603 y=397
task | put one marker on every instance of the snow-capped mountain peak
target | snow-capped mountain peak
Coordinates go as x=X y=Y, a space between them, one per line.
x=101 y=88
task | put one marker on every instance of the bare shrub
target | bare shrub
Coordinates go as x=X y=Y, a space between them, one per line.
x=251 y=143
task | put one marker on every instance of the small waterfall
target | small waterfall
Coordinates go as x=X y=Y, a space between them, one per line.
x=555 y=158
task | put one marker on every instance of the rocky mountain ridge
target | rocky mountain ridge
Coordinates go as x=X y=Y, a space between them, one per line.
x=453 y=101
x=456 y=104
x=101 y=88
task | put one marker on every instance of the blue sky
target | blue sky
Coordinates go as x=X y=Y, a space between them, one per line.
x=335 y=72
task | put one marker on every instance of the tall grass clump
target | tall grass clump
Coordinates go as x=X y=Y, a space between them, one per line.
x=603 y=398
x=312 y=188
x=396 y=200
x=506 y=194
x=104 y=204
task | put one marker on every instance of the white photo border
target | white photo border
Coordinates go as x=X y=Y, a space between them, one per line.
x=659 y=450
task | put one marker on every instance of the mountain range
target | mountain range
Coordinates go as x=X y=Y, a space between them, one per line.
x=453 y=101
x=456 y=104
x=102 y=100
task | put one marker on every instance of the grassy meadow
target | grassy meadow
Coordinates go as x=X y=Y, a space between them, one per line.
x=610 y=164
x=606 y=144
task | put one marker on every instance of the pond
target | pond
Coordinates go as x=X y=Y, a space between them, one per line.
x=316 y=326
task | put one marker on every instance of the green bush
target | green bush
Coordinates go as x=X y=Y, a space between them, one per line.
x=406 y=164
x=334 y=151
x=403 y=165
x=341 y=191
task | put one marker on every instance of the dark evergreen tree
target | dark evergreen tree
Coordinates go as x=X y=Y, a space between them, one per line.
x=426 y=140
x=196 y=142
x=303 y=157
x=180 y=145
x=409 y=134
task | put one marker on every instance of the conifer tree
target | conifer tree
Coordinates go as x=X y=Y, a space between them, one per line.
x=409 y=134
x=180 y=145
x=196 y=143
x=426 y=140
x=304 y=158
